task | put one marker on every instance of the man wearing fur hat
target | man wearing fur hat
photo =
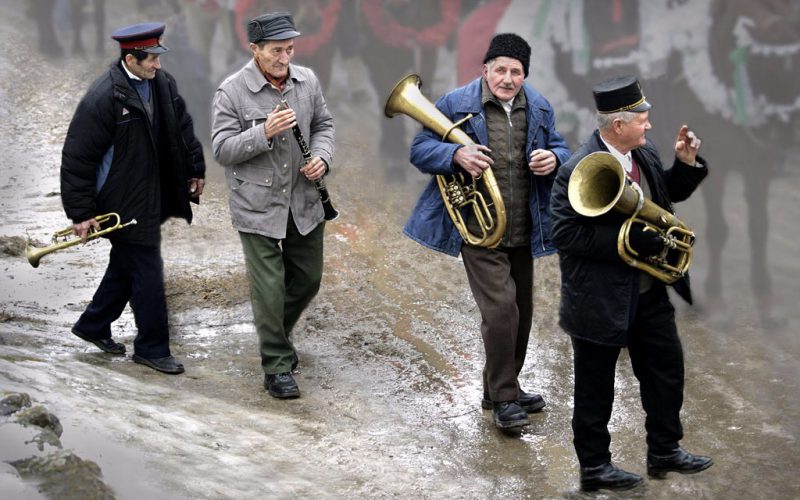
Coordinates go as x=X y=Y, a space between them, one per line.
x=513 y=127
x=274 y=203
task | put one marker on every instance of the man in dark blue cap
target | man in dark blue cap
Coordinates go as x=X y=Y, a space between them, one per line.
x=274 y=203
x=607 y=305
x=131 y=149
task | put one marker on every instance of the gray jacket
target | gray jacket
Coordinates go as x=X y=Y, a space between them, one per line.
x=263 y=176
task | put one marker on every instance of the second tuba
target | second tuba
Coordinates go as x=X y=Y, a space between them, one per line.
x=599 y=184
x=458 y=190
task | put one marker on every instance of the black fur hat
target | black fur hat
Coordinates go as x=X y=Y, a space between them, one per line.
x=510 y=45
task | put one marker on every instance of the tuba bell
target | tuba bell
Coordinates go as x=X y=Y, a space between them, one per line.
x=457 y=191
x=599 y=184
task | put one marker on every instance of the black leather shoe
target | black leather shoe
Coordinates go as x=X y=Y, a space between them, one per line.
x=530 y=402
x=281 y=385
x=166 y=365
x=107 y=345
x=509 y=415
x=680 y=461
x=609 y=477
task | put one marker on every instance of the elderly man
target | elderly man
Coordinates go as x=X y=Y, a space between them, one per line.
x=131 y=149
x=514 y=131
x=607 y=305
x=274 y=203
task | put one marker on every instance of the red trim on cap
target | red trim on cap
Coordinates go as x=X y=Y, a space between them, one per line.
x=139 y=44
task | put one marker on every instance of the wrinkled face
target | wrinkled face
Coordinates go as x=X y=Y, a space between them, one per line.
x=274 y=57
x=631 y=135
x=504 y=75
x=144 y=69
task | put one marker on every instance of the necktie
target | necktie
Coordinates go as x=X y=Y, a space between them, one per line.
x=635 y=175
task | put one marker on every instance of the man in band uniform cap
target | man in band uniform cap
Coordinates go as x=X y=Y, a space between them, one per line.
x=131 y=149
x=607 y=305
x=273 y=201
x=513 y=127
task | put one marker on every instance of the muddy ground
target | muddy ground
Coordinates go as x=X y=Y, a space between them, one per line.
x=390 y=353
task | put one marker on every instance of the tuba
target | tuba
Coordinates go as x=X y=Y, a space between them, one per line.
x=33 y=254
x=457 y=191
x=599 y=184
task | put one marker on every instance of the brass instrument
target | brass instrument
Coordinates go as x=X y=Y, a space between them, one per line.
x=34 y=254
x=599 y=183
x=456 y=190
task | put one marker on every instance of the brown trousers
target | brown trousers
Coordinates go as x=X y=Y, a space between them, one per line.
x=501 y=280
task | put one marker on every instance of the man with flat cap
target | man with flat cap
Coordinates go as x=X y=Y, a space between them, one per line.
x=513 y=128
x=273 y=201
x=131 y=149
x=607 y=305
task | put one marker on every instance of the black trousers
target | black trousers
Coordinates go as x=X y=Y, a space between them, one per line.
x=501 y=280
x=135 y=274
x=657 y=360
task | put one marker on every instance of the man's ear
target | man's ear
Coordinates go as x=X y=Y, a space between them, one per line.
x=616 y=125
x=129 y=59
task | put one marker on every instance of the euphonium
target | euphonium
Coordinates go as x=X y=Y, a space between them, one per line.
x=34 y=254
x=456 y=191
x=599 y=184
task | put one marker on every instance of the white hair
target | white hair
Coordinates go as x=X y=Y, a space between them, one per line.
x=606 y=120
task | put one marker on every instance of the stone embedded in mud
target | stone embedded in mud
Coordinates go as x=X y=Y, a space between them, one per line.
x=40 y=417
x=64 y=475
x=13 y=402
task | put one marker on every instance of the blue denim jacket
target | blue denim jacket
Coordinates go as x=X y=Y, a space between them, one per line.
x=429 y=224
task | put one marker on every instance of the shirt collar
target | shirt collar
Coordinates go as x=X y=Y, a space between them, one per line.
x=624 y=159
x=130 y=75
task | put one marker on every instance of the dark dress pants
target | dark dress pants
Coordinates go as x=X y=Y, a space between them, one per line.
x=657 y=361
x=501 y=280
x=135 y=274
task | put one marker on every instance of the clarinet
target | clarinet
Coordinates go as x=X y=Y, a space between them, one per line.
x=330 y=212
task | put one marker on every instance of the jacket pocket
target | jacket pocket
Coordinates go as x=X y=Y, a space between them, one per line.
x=251 y=196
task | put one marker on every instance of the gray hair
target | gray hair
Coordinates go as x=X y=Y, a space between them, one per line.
x=605 y=120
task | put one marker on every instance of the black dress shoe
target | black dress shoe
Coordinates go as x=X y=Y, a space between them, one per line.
x=680 y=461
x=509 y=415
x=530 y=402
x=281 y=385
x=166 y=365
x=609 y=477
x=107 y=345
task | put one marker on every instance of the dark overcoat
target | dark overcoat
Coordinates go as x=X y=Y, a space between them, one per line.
x=598 y=289
x=115 y=160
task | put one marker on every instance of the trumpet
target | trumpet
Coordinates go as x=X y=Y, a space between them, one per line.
x=61 y=238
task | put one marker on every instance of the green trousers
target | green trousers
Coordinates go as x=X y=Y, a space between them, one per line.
x=284 y=276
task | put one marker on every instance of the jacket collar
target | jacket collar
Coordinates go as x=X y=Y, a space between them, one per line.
x=255 y=81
